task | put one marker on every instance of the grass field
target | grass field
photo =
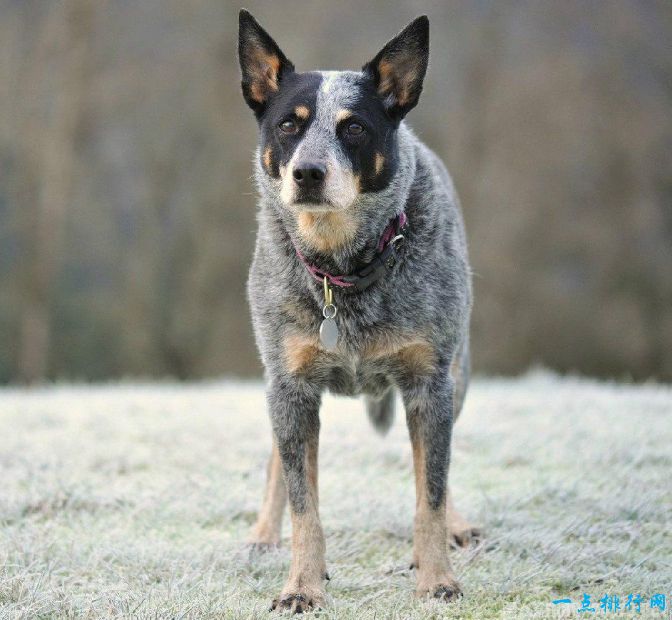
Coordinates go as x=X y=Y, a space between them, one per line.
x=135 y=502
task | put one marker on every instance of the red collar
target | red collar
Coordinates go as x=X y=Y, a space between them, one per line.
x=388 y=254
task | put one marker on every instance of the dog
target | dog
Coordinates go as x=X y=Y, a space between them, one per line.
x=360 y=284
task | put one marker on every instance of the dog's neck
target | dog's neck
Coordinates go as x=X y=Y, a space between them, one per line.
x=338 y=244
x=386 y=257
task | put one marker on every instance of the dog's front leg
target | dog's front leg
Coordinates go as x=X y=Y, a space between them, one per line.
x=294 y=405
x=429 y=415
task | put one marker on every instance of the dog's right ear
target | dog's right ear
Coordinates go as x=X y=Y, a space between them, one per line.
x=262 y=62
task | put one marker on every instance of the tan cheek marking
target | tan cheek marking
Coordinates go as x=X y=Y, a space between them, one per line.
x=379 y=162
x=326 y=231
x=302 y=112
x=301 y=352
x=342 y=114
x=267 y=158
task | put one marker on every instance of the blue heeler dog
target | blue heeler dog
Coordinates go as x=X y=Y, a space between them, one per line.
x=360 y=284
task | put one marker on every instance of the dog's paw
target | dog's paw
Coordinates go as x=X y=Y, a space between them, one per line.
x=446 y=590
x=252 y=552
x=296 y=603
x=466 y=536
x=259 y=548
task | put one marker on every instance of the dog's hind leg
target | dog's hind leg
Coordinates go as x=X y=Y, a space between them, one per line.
x=429 y=414
x=460 y=371
x=461 y=532
x=381 y=411
x=294 y=407
x=268 y=528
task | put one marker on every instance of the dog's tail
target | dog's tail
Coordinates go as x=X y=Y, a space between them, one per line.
x=381 y=411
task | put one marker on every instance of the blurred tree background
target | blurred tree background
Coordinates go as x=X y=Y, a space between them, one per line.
x=127 y=212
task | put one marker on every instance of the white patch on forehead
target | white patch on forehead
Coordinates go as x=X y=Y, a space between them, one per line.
x=337 y=91
x=327 y=78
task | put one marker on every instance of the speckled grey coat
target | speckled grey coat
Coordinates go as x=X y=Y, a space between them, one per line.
x=410 y=330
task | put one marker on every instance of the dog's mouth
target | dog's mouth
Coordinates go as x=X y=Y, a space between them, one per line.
x=314 y=201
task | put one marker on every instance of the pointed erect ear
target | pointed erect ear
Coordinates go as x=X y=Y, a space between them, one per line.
x=399 y=68
x=261 y=61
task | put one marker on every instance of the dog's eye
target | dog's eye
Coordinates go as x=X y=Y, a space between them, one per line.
x=288 y=126
x=355 y=129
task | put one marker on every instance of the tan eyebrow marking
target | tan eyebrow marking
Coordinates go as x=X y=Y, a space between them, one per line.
x=379 y=162
x=342 y=114
x=302 y=112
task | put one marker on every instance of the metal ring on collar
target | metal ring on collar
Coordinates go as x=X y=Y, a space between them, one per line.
x=329 y=311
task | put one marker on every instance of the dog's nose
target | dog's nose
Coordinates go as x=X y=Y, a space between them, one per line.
x=309 y=174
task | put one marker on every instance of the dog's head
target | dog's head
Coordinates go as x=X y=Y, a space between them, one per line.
x=329 y=138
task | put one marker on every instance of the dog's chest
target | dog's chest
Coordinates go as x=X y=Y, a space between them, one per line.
x=360 y=363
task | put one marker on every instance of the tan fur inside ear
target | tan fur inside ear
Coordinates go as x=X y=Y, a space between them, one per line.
x=397 y=79
x=266 y=68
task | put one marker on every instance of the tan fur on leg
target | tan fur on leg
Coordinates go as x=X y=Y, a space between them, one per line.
x=304 y=589
x=430 y=549
x=268 y=528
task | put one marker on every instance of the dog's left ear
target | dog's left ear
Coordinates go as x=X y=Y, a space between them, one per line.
x=399 y=68
x=262 y=62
